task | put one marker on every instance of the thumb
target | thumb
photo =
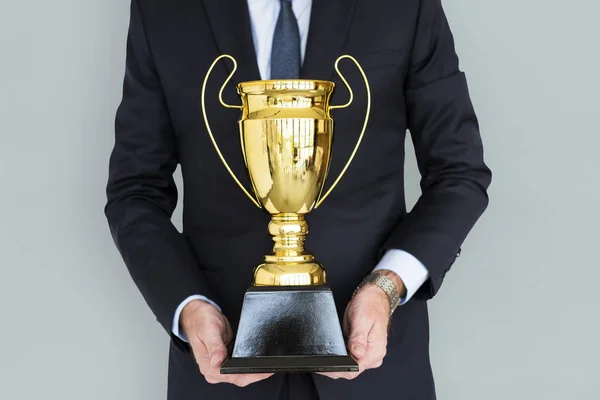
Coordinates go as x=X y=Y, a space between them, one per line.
x=357 y=340
x=217 y=351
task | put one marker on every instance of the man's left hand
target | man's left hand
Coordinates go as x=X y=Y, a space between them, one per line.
x=365 y=325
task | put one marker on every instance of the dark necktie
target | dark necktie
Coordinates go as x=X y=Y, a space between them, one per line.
x=285 y=54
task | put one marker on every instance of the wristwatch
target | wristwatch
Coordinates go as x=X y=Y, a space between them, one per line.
x=386 y=284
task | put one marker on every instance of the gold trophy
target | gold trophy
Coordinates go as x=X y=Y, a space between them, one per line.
x=289 y=321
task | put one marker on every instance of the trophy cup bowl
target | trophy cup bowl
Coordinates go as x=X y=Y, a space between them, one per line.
x=289 y=322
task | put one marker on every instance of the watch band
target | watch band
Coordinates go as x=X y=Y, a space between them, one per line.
x=386 y=284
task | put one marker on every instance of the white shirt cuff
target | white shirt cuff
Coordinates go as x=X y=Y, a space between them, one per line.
x=412 y=272
x=177 y=331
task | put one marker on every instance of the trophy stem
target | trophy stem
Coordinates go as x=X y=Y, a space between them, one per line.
x=290 y=264
x=289 y=231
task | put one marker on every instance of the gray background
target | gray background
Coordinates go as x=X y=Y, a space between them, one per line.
x=518 y=315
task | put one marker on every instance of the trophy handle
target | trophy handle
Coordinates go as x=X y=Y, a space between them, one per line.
x=212 y=138
x=368 y=112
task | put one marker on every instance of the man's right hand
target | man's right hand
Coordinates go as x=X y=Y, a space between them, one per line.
x=209 y=334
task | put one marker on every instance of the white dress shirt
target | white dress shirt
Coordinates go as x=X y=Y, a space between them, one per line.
x=263 y=18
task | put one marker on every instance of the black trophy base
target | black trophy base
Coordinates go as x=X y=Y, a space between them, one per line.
x=289 y=364
x=289 y=329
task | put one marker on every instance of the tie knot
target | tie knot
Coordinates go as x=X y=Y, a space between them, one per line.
x=287 y=1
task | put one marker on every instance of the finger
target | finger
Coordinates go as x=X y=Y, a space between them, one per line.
x=360 y=326
x=236 y=379
x=217 y=351
x=200 y=352
x=217 y=357
x=203 y=361
x=346 y=321
x=377 y=342
x=377 y=363
x=332 y=375
x=375 y=355
x=350 y=375
x=248 y=379
x=375 y=358
x=373 y=361
x=376 y=348
x=210 y=351
x=227 y=333
x=340 y=375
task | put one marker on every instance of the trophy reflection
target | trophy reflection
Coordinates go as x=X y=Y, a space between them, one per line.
x=289 y=321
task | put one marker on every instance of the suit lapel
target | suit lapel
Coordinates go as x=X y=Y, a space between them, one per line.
x=329 y=22
x=230 y=23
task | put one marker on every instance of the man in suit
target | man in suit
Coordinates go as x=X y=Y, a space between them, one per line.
x=194 y=281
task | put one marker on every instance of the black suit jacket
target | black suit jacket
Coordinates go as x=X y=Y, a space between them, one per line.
x=407 y=51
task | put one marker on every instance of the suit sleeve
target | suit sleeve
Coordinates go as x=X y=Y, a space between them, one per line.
x=449 y=151
x=141 y=191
